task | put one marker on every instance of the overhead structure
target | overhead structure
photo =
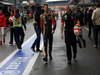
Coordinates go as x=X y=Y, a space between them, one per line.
x=55 y=0
x=6 y=3
x=57 y=3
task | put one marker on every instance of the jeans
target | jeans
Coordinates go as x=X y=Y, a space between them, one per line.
x=96 y=32
x=37 y=40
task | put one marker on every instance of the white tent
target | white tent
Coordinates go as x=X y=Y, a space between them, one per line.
x=6 y=3
x=55 y=0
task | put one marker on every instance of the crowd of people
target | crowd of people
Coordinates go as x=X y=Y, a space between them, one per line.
x=45 y=21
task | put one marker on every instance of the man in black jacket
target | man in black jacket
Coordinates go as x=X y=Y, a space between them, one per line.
x=67 y=30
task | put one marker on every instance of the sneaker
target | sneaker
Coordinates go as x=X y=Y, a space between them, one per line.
x=11 y=44
x=19 y=47
x=69 y=62
x=50 y=57
x=45 y=59
x=32 y=49
x=38 y=50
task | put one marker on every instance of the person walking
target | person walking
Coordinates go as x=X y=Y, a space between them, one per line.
x=67 y=31
x=36 y=17
x=11 y=27
x=2 y=27
x=47 y=31
x=78 y=23
x=96 y=22
x=89 y=21
x=18 y=30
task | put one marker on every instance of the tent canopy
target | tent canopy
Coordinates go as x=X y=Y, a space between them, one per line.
x=6 y=3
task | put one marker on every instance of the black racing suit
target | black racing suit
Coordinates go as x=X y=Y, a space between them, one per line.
x=70 y=38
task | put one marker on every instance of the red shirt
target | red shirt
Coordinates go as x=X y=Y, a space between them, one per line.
x=2 y=20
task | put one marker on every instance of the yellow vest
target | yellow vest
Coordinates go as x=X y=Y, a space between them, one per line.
x=17 y=22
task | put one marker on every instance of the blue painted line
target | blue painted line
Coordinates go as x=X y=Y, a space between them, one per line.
x=17 y=64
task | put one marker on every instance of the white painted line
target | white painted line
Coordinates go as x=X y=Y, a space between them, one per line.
x=32 y=61
x=28 y=40
x=7 y=59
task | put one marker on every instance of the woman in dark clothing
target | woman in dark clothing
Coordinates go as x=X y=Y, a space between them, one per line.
x=36 y=15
